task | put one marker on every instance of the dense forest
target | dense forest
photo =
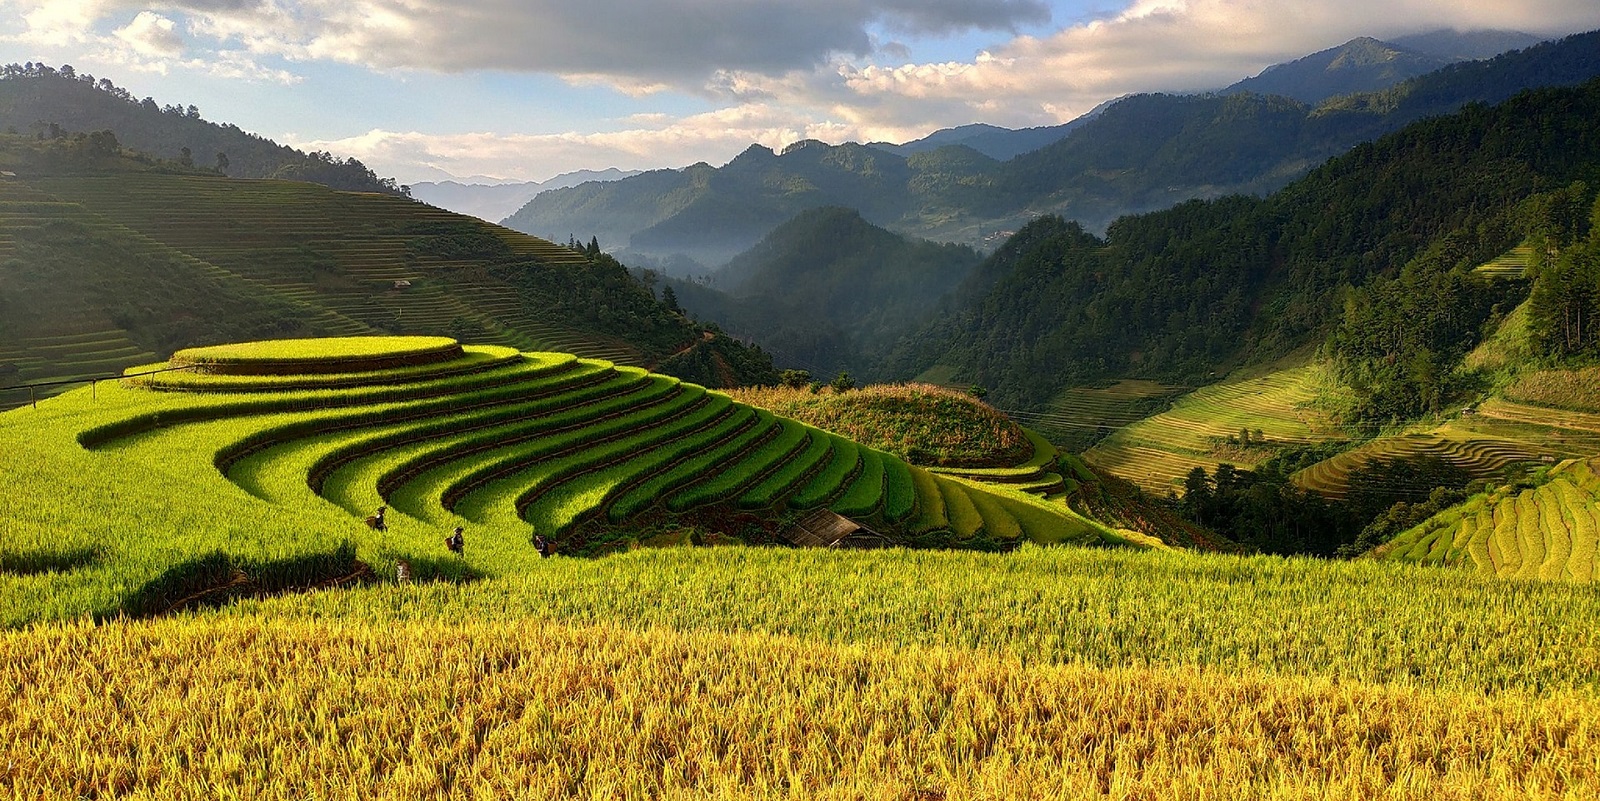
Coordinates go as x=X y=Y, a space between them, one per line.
x=1182 y=293
x=50 y=102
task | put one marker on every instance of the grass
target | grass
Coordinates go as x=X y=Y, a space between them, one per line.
x=1569 y=390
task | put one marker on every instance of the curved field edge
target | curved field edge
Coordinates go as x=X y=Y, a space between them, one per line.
x=321 y=355
x=558 y=711
x=148 y=501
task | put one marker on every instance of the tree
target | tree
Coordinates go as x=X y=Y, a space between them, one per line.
x=1196 y=493
x=978 y=391
x=795 y=379
x=222 y=162
x=842 y=383
x=669 y=298
x=186 y=157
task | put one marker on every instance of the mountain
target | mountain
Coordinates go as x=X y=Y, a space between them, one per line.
x=1142 y=153
x=1466 y=46
x=990 y=140
x=110 y=258
x=1359 y=65
x=827 y=291
x=712 y=214
x=35 y=99
x=494 y=202
x=1185 y=293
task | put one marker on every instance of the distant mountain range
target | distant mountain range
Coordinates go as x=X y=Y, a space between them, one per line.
x=494 y=202
x=1142 y=153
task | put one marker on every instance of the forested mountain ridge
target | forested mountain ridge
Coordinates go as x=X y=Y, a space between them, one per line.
x=1142 y=153
x=40 y=100
x=1359 y=65
x=1185 y=292
x=990 y=140
x=829 y=292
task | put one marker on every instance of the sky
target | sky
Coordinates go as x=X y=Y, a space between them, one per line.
x=528 y=89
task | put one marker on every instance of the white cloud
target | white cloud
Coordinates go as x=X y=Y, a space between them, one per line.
x=152 y=35
x=647 y=142
x=637 y=45
x=1153 y=45
x=828 y=69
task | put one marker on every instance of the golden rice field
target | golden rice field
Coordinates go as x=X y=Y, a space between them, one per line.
x=1157 y=452
x=730 y=672
x=1548 y=532
x=762 y=673
x=266 y=709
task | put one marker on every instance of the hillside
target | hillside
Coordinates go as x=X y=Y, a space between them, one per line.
x=298 y=439
x=1175 y=295
x=35 y=99
x=1547 y=531
x=110 y=255
x=1141 y=153
x=993 y=141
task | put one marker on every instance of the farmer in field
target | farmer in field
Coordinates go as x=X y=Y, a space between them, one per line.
x=542 y=544
x=455 y=542
x=376 y=522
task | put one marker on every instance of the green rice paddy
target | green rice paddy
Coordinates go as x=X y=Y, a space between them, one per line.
x=135 y=500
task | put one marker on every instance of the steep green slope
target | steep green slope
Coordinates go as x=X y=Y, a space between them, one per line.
x=151 y=492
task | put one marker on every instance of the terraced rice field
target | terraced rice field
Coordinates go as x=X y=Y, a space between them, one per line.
x=1036 y=475
x=1157 y=452
x=1511 y=264
x=343 y=251
x=1088 y=414
x=1480 y=458
x=1549 y=532
x=506 y=445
